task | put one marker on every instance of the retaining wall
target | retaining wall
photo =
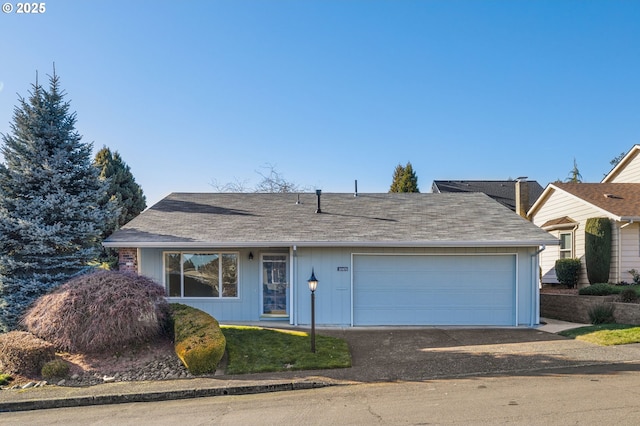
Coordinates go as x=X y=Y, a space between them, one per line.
x=568 y=307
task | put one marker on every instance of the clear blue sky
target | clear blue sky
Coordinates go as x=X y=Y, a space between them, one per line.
x=191 y=92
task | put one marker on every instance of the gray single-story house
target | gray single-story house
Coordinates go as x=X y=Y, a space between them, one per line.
x=380 y=259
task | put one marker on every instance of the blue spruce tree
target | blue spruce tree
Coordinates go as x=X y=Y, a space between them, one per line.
x=51 y=217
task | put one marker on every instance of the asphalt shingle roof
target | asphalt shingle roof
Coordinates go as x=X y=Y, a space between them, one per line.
x=619 y=199
x=503 y=191
x=192 y=219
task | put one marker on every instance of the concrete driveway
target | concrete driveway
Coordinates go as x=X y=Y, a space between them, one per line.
x=423 y=353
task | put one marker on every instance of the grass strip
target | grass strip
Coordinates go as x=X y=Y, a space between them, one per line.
x=605 y=334
x=259 y=350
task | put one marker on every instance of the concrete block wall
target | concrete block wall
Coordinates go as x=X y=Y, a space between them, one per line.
x=576 y=308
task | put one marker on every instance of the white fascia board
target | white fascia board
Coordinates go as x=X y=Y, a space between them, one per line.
x=244 y=244
x=541 y=199
x=621 y=164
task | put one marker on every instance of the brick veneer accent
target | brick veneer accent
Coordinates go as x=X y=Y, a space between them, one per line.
x=574 y=308
x=128 y=260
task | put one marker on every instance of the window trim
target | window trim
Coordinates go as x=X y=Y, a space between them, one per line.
x=220 y=253
x=570 y=250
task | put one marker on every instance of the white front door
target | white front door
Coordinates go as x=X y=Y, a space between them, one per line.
x=275 y=285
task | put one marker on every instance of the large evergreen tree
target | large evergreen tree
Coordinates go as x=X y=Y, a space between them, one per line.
x=50 y=214
x=122 y=187
x=404 y=179
x=123 y=191
x=574 y=174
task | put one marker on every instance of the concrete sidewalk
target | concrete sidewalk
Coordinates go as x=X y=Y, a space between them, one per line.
x=556 y=326
x=380 y=354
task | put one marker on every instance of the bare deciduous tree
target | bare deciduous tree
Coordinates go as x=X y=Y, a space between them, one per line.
x=272 y=181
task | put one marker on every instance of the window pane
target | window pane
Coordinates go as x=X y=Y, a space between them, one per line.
x=229 y=275
x=172 y=274
x=201 y=275
x=565 y=241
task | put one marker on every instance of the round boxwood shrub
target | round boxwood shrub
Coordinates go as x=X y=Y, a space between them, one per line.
x=100 y=311
x=568 y=271
x=55 y=369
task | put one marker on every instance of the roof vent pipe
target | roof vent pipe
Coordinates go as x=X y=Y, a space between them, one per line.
x=355 y=194
x=318 y=192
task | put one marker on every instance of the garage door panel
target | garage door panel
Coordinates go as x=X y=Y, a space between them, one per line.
x=434 y=290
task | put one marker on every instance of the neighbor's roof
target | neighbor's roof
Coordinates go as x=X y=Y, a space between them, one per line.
x=503 y=191
x=245 y=220
x=620 y=200
x=624 y=162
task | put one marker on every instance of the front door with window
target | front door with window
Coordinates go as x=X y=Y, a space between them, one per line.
x=275 y=285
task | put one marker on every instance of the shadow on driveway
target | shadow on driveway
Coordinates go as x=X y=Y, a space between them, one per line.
x=417 y=354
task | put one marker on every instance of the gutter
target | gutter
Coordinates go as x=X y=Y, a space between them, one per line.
x=247 y=244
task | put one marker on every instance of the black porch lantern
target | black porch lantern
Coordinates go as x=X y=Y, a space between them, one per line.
x=313 y=284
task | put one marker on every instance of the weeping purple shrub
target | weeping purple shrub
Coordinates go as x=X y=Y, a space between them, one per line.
x=100 y=311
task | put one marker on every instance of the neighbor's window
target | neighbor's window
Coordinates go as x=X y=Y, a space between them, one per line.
x=566 y=245
x=201 y=274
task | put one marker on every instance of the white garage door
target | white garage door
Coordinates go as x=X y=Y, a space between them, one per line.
x=434 y=290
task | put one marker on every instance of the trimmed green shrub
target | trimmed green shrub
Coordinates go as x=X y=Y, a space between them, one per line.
x=23 y=353
x=101 y=311
x=5 y=379
x=600 y=289
x=597 y=246
x=56 y=368
x=601 y=314
x=628 y=295
x=568 y=271
x=199 y=342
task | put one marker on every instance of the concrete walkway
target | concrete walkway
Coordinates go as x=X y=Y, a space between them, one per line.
x=556 y=326
x=378 y=355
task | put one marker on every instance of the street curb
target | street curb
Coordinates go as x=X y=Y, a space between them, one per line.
x=84 y=401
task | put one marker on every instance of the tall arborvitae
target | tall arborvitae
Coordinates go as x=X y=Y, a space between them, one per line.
x=51 y=218
x=404 y=179
x=123 y=191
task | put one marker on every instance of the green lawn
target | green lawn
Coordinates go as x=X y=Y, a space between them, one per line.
x=605 y=334
x=257 y=350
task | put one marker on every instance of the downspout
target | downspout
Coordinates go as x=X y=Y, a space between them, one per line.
x=619 y=268
x=535 y=290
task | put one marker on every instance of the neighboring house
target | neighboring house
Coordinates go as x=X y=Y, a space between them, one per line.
x=563 y=209
x=380 y=259
x=518 y=195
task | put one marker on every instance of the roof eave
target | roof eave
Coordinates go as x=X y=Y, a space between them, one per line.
x=621 y=164
x=245 y=244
